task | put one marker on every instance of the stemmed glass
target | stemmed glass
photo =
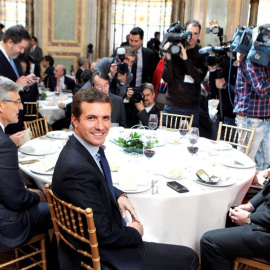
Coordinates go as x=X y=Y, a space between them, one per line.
x=183 y=127
x=149 y=148
x=153 y=121
x=193 y=138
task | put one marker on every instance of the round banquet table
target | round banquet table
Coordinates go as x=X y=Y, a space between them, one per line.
x=168 y=216
x=50 y=109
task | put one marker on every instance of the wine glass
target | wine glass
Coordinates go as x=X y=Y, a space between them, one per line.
x=149 y=151
x=153 y=121
x=194 y=131
x=193 y=138
x=183 y=127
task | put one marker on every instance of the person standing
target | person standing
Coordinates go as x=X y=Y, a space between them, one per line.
x=35 y=56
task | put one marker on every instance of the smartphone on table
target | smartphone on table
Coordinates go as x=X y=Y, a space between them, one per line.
x=177 y=187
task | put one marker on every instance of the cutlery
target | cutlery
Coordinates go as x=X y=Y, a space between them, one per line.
x=235 y=162
x=29 y=161
x=153 y=187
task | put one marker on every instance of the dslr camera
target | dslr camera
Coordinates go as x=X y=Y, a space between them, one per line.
x=122 y=67
x=175 y=35
x=138 y=95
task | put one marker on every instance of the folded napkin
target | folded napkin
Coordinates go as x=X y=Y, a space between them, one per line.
x=47 y=164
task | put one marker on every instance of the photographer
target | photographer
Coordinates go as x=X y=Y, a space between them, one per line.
x=115 y=67
x=184 y=71
x=147 y=105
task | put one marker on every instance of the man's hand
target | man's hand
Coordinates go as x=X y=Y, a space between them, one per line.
x=17 y=138
x=113 y=70
x=31 y=79
x=124 y=204
x=238 y=215
x=61 y=105
x=220 y=83
x=40 y=193
x=260 y=177
x=129 y=94
x=139 y=106
x=183 y=53
x=136 y=225
x=167 y=55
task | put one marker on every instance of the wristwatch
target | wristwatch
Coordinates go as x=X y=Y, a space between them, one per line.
x=248 y=221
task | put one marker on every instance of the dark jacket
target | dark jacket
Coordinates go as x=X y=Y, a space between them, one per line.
x=144 y=116
x=180 y=93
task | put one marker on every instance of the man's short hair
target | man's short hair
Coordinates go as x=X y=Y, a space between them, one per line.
x=16 y=33
x=156 y=33
x=101 y=75
x=81 y=61
x=7 y=86
x=148 y=86
x=137 y=31
x=129 y=51
x=49 y=59
x=193 y=23
x=35 y=39
x=90 y=96
x=86 y=75
x=2 y=26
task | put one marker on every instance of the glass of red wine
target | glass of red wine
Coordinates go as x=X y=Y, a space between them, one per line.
x=193 y=138
x=149 y=151
x=183 y=127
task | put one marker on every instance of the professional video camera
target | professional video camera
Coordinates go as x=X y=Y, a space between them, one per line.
x=260 y=50
x=122 y=67
x=242 y=40
x=138 y=95
x=175 y=35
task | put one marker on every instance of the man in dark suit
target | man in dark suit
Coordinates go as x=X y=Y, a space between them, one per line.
x=23 y=212
x=100 y=81
x=147 y=105
x=81 y=177
x=249 y=238
x=83 y=64
x=143 y=69
x=47 y=62
x=35 y=56
x=15 y=41
x=60 y=81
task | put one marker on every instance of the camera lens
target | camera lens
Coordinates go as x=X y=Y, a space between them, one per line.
x=175 y=49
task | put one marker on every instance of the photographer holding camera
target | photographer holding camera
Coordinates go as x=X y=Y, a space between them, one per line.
x=184 y=70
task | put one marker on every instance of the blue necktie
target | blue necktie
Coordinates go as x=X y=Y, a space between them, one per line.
x=14 y=67
x=106 y=170
x=107 y=173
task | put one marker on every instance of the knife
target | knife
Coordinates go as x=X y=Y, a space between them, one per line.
x=235 y=162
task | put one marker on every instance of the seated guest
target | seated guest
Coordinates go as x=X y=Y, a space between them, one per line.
x=100 y=81
x=25 y=64
x=83 y=64
x=249 y=238
x=47 y=63
x=82 y=177
x=24 y=212
x=147 y=105
x=60 y=81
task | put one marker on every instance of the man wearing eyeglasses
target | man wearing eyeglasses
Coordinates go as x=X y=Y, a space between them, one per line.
x=100 y=81
x=23 y=212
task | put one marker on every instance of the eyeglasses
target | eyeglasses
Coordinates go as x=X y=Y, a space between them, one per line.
x=13 y=101
x=100 y=86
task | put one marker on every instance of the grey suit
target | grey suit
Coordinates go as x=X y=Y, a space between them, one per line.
x=118 y=111
x=36 y=57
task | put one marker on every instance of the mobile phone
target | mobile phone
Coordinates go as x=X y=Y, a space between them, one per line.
x=177 y=187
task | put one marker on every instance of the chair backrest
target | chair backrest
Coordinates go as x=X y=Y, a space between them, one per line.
x=32 y=255
x=171 y=121
x=38 y=127
x=72 y=220
x=31 y=110
x=253 y=262
x=236 y=136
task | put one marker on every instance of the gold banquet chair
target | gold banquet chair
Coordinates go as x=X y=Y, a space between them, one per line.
x=69 y=218
x=38 y=127
x=236 y=136
x=171 y=121
x=253 y=262
x=30 y=253
x=31 y=110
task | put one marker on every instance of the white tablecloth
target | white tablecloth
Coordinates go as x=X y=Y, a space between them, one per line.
x=171 y=217
x=50 y=109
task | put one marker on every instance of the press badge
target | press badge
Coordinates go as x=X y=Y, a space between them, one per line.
x=188 y=79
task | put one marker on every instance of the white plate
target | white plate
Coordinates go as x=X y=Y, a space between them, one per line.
x=220 y=145
x=239 y=164
x=59 y=134
x=38 y=148
x=221 y=183
x=167 y=175
x=35 y=168
x=140 y=189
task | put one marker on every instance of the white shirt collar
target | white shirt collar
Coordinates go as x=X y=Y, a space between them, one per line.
x=2 y=126
x=4 y=52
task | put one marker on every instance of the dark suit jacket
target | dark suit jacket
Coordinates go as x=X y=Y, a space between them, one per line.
x=15 y=227
x=70 y=83
x=148 y=67
x=118 y=111
x=49 y=72
x=35 y=57
x=144 y=116
x=78 y=180
x=78 y=75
